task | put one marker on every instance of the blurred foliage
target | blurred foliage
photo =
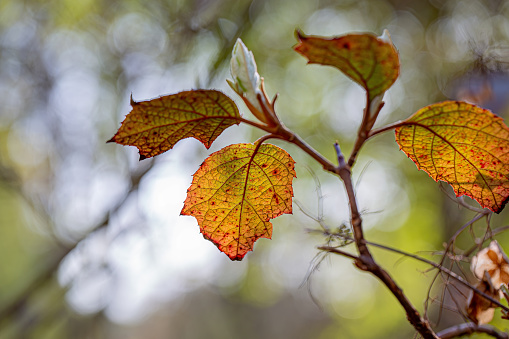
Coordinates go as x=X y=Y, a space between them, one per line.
x=91 y=241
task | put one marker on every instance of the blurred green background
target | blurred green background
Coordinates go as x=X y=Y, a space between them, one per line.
x=91 y=241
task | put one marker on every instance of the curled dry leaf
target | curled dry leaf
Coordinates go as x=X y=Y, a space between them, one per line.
x=494 y=262
x=491 y=267
x=480 y=310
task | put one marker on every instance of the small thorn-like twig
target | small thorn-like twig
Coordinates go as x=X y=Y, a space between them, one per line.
x=341 y=158
x=338 y=251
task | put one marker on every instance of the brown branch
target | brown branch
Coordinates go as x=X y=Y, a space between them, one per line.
x=282 y=132
x=366 y=261
x=471 y=328
x=327 y=165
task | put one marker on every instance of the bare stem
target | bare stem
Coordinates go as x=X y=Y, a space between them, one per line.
x=296 y=140
x=444 y=270
x=470 y=328
x=282 y=132
x=338 y=251
x=368 y=120
x=366 y=262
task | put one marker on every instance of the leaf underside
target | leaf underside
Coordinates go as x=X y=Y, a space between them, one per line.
x=463 y=145
x=156 y=125
x=370 y=61
x=235 y=193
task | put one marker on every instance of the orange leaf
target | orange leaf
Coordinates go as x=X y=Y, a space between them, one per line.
x=463 y=145
x=371 y=61
x=155 y=126
x=235 y=193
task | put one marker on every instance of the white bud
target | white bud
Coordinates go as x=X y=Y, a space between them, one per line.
x=246 y=80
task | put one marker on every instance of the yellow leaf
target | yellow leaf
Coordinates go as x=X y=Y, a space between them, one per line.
x=463 y=145
x=155 y=126
x=235 y=193
x=371 y=61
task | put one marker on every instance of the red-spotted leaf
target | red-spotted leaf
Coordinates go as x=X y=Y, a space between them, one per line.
x=235 y=193
x=463 y=145
x=155 y=126
x=371 y=61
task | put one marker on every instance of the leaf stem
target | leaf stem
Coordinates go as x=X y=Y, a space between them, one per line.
x=394 y=125
x=263 y=127
x=368 y=120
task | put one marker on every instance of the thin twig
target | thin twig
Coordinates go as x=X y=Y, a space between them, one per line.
x=449 y=245
x=366 y=261
x=443 y=269
x=338 y=251
x=368 y=120
x=470 y=328
x=486 y=237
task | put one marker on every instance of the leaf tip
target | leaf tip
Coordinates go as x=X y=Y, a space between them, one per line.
x=502 y=205
x=386 y=37
x=299 y=34
x=111 y=140
x=133 y=103
x=236 y=258
x=142 y=157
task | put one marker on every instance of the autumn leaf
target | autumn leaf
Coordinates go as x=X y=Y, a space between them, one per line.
x=491 y=267
x=493 y=261
x=371 y=61
x=479 y=309
x=235 y=193
x=463 y=145
x=156 y=125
